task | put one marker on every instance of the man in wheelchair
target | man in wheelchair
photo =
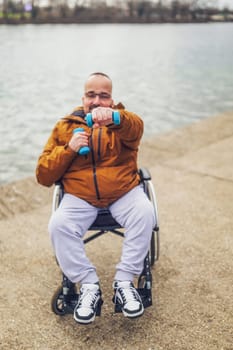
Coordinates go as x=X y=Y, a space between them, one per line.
x=97 y=166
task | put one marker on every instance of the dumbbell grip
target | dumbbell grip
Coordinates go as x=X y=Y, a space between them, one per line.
x=85 y=149
x=116 y=118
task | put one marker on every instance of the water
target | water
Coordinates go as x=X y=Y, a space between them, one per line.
x=169 y=74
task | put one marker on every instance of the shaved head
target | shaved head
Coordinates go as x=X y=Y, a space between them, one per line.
x=97 y=91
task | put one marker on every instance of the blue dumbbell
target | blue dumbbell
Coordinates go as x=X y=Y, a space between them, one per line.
x=116 y=118
x=85 y=149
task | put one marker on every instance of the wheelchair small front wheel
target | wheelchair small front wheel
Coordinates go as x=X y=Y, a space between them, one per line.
x=57 y=303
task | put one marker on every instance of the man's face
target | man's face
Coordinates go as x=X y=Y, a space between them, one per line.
x=97 y=93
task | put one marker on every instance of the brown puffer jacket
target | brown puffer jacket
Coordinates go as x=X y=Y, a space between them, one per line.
x=107 y=172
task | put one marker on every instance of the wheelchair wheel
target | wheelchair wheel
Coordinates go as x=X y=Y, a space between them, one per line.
x=57 y=196
x=57 y=303
x=152 y=249
x=155 y=242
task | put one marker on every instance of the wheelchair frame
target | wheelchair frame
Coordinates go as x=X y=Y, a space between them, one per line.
x=66 y=297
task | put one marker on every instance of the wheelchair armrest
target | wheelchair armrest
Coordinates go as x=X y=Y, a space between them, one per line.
x=144 y=174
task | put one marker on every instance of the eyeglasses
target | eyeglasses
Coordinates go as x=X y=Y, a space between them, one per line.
x=102 y=95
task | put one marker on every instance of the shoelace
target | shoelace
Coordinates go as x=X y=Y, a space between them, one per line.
x=128 y=294
x=87 y=297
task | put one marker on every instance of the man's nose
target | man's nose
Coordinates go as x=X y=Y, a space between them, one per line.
x=96 y=100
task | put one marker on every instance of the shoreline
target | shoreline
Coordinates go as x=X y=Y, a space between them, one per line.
x=12 y=22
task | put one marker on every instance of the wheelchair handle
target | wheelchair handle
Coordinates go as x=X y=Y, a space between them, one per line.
x=116 y=118
x=85 y=149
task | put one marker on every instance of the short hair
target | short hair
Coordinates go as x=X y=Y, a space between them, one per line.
x=100 y=73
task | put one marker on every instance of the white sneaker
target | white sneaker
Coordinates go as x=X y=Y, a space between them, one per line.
x=89 y=303
x=127 y=299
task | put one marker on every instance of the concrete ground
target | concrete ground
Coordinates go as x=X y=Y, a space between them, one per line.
x=192 y=172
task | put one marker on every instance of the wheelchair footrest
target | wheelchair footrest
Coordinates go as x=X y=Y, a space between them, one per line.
x=98 y=310
x=146 y=296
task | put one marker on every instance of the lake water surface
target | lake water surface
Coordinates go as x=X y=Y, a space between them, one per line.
x=171 y=75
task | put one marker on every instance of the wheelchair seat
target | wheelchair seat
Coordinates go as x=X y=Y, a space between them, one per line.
x=104 y=221
x=66 y=296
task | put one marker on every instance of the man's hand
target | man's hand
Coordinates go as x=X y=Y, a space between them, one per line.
x=101 y=116
x=78 y=140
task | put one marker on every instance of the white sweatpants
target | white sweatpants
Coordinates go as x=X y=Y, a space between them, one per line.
x=71 y=220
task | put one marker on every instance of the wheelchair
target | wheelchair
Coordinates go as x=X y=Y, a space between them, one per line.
x=66 y=296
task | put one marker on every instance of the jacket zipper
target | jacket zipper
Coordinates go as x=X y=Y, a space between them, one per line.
x=99 y=142
x=94 y=167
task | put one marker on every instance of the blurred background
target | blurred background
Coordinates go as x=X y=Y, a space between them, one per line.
x=170 y=62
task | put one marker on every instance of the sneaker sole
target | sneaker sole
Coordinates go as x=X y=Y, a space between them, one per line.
x=135 y=315
x=83 y=321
